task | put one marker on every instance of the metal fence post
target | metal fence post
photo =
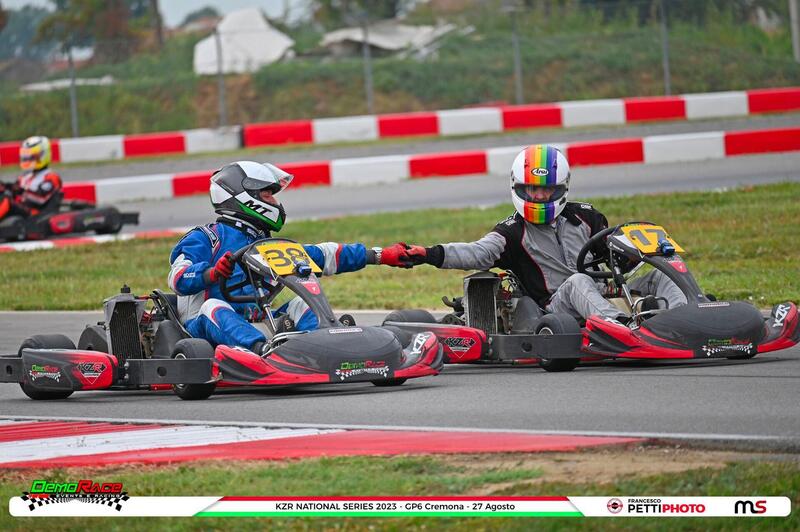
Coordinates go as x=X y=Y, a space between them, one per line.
x=662 y=10
x=223 y=111
x=794 y=22
x=73 y=94
x=517 y=57
x=367 y=64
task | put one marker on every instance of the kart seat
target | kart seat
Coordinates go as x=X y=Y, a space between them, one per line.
x=170 y=303
x=171 y=330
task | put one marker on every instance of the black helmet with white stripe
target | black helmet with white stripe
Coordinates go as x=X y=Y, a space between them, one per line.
x=245 y=190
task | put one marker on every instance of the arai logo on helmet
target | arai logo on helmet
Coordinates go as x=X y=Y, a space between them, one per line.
x=540 y=172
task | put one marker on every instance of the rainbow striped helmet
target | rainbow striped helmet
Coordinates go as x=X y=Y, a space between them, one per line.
x=539 y=183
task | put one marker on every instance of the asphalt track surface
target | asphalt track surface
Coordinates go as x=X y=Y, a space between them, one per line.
x=753 y=401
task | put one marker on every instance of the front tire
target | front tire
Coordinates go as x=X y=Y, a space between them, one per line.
x=558 y=324
x=193 y=348
x=389 y=382
x=45 y=341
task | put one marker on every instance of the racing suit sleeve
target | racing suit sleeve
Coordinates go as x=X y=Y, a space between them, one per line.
x=39 y=196
x=189 y=259
x=334 y=258
x=481 y=254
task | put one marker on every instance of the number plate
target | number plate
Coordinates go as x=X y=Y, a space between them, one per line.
x=646 y=236
x=281 y=257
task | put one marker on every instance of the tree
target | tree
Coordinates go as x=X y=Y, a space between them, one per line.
x=17 y=38
x=203 y=12
x=3 y=17
x=336 y=13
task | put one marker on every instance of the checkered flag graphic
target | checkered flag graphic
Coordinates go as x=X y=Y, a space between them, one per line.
x=112 y=501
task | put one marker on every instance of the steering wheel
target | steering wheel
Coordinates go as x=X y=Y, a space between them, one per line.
x=583 y=266
x=227 y=290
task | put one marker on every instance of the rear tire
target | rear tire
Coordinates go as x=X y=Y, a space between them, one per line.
x=410 y=316
x=558 y=324
x=193 y=348
x=389 y=382
x=45 y=341
x=93 y=338
x=113 y=224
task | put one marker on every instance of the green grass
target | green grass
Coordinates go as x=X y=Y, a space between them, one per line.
x=414 y=476
x=741 y=244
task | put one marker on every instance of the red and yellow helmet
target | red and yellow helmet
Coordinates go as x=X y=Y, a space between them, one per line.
x=35 y=153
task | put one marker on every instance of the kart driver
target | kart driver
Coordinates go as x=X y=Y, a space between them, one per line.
x=243 y=194
x=35 y=189
x=541 y=241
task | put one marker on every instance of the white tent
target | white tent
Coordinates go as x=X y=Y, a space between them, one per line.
x=248 y=42
x=388 y=35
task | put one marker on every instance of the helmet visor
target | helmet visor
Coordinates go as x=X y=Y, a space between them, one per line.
x=540 y=193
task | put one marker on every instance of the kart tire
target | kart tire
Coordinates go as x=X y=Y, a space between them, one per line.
x=113 y=224
x=14 y=226
x=389 y=382
x=558 y=324
x=93 y=338
x=45 y=341
x=741 y=357
x=193 y=348
x=410 y=316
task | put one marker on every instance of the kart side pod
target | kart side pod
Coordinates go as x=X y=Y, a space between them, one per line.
x=72 y=369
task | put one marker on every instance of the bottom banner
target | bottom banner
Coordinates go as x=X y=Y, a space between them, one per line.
x=61 y=505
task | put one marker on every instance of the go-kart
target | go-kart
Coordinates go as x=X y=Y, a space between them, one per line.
x=142 y=343
x=495 y=322
x=63 y=217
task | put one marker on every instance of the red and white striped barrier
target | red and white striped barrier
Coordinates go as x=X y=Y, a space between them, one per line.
x=476 y=120
x=392 y=168
x=49 y=444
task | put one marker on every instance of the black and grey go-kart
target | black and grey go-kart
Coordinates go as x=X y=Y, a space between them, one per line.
x=61 y=217
x=142 y=343
x=495 y=322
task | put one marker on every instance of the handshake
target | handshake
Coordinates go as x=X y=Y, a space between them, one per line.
x=401 y=255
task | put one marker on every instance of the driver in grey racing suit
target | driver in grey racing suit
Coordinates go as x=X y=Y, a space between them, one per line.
x=541 y=241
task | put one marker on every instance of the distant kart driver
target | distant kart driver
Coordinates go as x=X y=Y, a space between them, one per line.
x=36 y=189
x=541 y=241
x=243 y=194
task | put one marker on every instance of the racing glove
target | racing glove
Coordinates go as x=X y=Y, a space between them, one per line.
x=420 y=255
x=395 y=255
x=223 y=268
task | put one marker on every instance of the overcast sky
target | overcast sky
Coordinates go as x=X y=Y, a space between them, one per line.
x=174 y=11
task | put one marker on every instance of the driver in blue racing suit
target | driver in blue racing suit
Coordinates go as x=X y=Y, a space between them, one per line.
x=243 y=194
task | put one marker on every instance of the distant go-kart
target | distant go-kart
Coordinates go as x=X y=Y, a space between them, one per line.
x=142 y=342
x=63 y=217
x=484 y=328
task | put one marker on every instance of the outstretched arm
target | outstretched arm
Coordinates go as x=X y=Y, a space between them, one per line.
x=479 y=255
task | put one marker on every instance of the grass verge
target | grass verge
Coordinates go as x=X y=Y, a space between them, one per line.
x=677 y=472
x=741 y=245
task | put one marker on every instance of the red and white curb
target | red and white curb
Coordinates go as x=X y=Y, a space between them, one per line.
x=476 y=120
x=36 y=245
x=691 y=147
x=51 y=444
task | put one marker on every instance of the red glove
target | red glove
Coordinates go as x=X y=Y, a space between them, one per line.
x=223 y=268
x=395 y=255
x=417 y=255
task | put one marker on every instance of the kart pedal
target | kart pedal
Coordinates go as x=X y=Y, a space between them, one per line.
x=347 y=320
